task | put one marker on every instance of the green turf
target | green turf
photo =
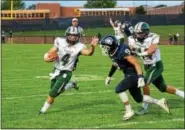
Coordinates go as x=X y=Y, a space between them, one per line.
x=93 y=106
x=162 y=30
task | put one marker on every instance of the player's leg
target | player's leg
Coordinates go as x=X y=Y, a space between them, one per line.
x=152 y=73
x=121 y=91
x=138 y=97
x=161 y=85
x=57 y=87
x=71 y=85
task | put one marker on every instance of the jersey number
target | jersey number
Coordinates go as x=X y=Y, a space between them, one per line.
x=65 y=59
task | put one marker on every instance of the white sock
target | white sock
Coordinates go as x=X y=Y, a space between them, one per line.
x=149 y=99
x=124 y=98
x=179 y=93
x=45 y=107
x=69 y=86
x=128 y=107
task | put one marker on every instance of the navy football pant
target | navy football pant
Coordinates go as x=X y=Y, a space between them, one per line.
x=130 y=83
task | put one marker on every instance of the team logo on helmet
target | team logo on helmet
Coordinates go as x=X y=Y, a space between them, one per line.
x=109 y=41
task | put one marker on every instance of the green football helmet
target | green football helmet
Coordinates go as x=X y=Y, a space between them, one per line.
x=142 y=30
x=72 y=35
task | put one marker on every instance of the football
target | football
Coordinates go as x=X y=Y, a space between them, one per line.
x=50 y=56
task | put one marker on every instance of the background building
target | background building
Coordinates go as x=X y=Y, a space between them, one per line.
x=166 y=10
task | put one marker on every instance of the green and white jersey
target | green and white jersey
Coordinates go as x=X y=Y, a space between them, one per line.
x=118 y=33
x=141 y=47
x=67 y=54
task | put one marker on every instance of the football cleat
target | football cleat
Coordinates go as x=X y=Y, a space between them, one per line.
x=41 y=113
x=75 y=85
x=141 y=111
x=163 y=104
x=128 y=115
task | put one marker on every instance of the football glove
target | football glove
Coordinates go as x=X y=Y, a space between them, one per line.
x=141 y=82
x=107 y=81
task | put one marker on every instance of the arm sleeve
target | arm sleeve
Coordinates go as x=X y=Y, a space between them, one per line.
x=112 y=70
x=155 y=39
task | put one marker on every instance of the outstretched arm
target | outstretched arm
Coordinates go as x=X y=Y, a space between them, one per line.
x=90 y=51
x=111 y=22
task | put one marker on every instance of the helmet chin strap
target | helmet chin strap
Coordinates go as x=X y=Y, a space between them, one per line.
x=114 y=52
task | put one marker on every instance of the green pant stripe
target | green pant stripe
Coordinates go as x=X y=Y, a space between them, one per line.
x=150 y=76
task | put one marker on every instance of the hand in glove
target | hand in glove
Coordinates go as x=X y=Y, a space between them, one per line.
x=107 y=81
x=141 y=82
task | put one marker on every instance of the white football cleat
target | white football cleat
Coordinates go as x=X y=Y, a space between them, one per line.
x=128 y=115
x=163 y=104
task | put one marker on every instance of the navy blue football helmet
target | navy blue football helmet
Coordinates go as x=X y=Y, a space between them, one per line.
x=109 y=44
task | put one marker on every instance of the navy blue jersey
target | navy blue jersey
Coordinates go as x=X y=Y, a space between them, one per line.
x=128 y=29
x=123 y=51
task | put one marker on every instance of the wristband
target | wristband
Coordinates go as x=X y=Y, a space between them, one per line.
x=140 y=76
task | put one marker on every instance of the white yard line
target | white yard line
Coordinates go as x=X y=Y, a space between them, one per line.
x=143 y=122
x=64 y=94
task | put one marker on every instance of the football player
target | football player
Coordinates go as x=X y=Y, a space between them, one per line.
x=127 y=28
x=82 y=34
x=68 y=50
x=118 y=30
x=120 y=54
x=145 y=45
x=129 y=31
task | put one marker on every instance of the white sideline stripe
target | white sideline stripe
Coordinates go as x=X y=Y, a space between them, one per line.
x=65 y=94
x=136 y=123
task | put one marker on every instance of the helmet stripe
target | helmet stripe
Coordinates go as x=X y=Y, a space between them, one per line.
x=136 y=27
x=140 y=25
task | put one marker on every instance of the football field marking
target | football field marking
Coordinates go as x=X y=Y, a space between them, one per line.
x=64 y=94
x=136 y=123
x=80 y=77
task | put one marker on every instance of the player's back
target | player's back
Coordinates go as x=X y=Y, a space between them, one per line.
x=119 y=58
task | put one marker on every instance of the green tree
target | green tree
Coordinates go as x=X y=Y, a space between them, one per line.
x=100 y=4
x=140 y=10
x=17 y=4
x=33 y=6
x=161 y=5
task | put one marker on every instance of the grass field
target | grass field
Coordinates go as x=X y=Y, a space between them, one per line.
x=25 y=86
x=161 y=30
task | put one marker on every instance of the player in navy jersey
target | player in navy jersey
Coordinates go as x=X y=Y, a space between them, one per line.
x=120 y=54
x=128 y=28
x=128 y=31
